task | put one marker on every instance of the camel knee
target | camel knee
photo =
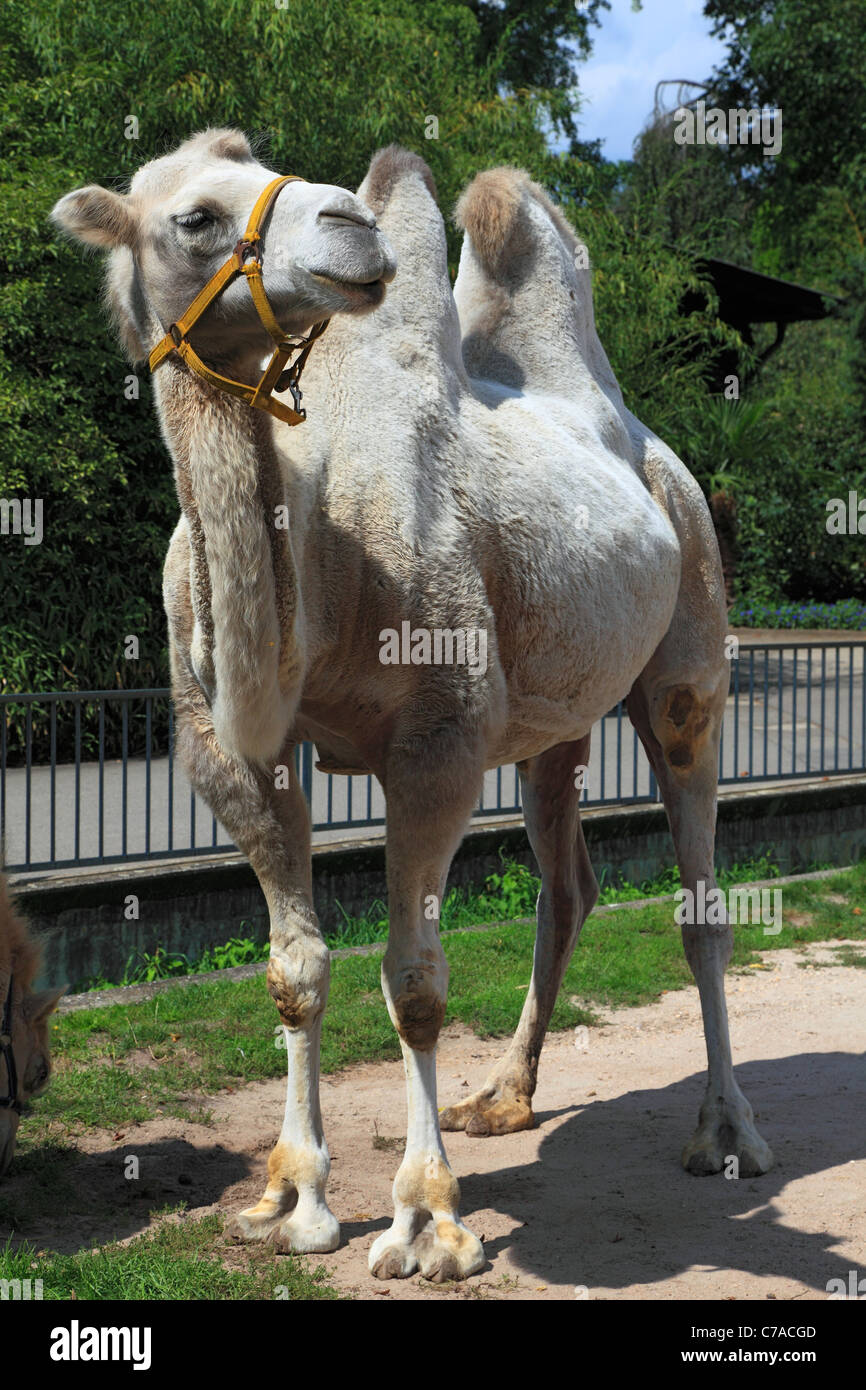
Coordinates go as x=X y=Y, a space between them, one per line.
x=416 y=993
x=684 y=722
x=298 y=977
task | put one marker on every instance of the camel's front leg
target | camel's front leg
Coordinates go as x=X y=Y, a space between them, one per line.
x=427 y=1232
x=427 y=812
x=271 y=825
x=292 y=1211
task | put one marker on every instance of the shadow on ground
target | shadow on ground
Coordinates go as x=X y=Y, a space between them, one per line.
x=64 y=1199
x=636 y=1217
x=606 y=1204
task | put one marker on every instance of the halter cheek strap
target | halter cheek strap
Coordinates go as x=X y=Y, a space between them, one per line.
x=246 y=260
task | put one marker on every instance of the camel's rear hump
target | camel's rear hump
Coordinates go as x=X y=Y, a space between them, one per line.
x=524 y=295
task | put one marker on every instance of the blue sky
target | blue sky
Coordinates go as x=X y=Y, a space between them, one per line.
x=631 y=52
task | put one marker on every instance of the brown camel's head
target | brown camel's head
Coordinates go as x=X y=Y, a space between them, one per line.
x=27 y=1013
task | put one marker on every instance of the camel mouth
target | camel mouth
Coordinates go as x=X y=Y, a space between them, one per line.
x=360 y=293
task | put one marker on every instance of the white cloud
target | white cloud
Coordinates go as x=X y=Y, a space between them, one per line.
x=632 y=52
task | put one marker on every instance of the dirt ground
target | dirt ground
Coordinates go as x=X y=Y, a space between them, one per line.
x=593 y=1202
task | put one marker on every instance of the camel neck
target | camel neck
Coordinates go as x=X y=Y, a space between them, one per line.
x=243 y=580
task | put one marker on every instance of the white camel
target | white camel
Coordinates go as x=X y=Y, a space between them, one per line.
x=468 y=465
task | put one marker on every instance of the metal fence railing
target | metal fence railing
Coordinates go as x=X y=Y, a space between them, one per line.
x=90 y=777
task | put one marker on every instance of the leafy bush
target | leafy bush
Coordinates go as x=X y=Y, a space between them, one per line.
x=321 y=84
x=849 y=614
x=70 y=71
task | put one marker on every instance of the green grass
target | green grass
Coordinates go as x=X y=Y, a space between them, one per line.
x=180 y=1260
x=121 y=1064
x=505 y=896
x=124 y=1063
x=846 y=954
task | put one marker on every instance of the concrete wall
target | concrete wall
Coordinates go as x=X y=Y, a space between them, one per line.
x=200 y=903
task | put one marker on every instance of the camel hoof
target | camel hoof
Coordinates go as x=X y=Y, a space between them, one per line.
x=489 y=1112
x=393 y=1262
x=256 y=1223
x=720 y=1139
x=444 y=1250
x=315 y=1236
x=310 y=1232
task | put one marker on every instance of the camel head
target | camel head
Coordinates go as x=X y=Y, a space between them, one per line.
x=180 y=221
x=26 y=1017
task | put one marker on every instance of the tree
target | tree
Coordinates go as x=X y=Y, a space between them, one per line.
x=322 y=84
x=89 y=91
x=539 y=44
x=809 y=59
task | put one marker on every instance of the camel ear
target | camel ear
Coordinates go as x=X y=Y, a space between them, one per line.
x=96 y=216
x=37 y=1007
x=231 y=144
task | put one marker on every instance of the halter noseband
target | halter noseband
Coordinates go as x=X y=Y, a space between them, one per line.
x=274 y=376
x=10 y=1101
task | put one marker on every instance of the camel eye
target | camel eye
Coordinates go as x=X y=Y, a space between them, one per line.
x=195 y=221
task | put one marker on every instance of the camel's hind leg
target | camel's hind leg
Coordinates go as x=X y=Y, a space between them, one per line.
x=551 y=803
x=677 y=706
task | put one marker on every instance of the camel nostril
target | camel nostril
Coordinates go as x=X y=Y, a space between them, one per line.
x=349 y=215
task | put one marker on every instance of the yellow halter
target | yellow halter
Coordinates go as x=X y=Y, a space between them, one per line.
x=274 y=377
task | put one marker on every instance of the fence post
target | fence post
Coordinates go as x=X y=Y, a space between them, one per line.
x=307 y=772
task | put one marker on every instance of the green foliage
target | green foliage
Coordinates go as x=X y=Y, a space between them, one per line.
x=322 y=84
x=809 y=59
x=507 y=896
x=659 y=353
x=688 y=195
x=796 y=437
x=847 y=615
x=161 y=964
x=726 y=442
x=781 y=466
x=538 y=41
